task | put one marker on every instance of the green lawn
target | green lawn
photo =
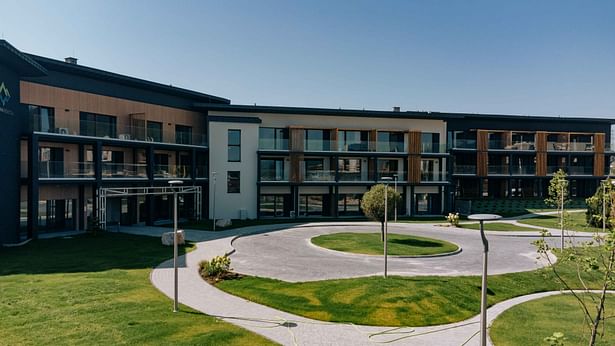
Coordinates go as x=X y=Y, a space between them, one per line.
x=529 y=323
x=370 y=244
x=95 y=290
x=396 y=301
x=576 y=222
x=498 y=226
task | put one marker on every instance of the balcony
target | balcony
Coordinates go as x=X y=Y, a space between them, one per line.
x=464 y=144
x=126 y=133
x=580 y=170
x=496 y=144
x=320 y=145
x=523 y=170
x=430 y=148
x=352 y=176
x=464 y=169
x=498 y=169
x=401 y=176
x=319 y=175
x=272 y=144
x=521 y=146
x=564 y=146
x=272 y=176
x=62 y=169
x=390 y=147
x=124 y=170
x=432 y=176
x=171 y=171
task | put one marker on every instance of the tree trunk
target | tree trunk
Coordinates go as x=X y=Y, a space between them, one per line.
x=596 y=322
x=382 y=231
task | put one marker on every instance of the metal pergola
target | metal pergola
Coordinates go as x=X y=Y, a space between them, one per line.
x=106 y=192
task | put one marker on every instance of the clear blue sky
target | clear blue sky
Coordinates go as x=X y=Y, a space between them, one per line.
x=515 y=57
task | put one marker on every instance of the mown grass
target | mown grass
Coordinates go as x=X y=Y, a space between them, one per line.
x=396 y=301
x=529 y=323
x=576 y=222
x=95 y=290
x=370 y=244
x=499 y=226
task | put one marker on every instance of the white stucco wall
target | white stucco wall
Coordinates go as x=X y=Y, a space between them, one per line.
x=228 y=205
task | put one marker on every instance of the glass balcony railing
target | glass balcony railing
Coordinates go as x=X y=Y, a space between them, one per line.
x=464 y=169
x=272 y=144
x=523 y=170
x=431 y=148
x=521 y=146
x=352 y=176
x=498 y=169
x=319 y=175
x=496 y=144
x=62 y=169
x=464 y=144
x=201 y=172
x=432 y=176
x=390 y=147
x=319 y=145
x=124 y=170
x=171 y=171
x=553 y=169
x=401 y=176
x=128 y=133
x=580 y=170
x=274 y=176
x=562 y=146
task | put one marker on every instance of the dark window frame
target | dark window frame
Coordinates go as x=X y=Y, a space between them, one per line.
x=231 y=147
x=233 y=184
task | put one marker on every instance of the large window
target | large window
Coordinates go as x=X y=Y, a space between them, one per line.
x=349 y=169
x=390 y=141
x=272 y=205
x=183 y=134
x=233 y=182
x=43 y=118
x=311 y=205
x=317 y=140
x=349 y=204
x=273 y=138
x=234 y=145
x=388 y=168
x=154 y=131
x=352 y=140
x=272 y=170
x=430 y=143
x=97 y=125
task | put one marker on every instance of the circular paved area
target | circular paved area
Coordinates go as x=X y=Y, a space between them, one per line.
x=289 y=254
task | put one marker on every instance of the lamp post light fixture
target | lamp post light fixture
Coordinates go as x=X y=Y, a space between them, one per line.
x=386 y=222
x=213 y=199
x=483 y=301
x=173 y=183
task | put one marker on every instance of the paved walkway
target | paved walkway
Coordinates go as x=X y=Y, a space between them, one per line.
x=289 y=329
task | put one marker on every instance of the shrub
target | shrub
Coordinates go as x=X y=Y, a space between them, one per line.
x=453 y=219
x=216 y=268
x=593 y=216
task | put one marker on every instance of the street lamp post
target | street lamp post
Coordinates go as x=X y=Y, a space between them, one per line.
x=386 y=223
x=483 y=301
x=395 y=178
x=213 y=199
x=175 y=276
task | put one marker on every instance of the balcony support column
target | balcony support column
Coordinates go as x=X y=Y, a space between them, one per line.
x=33 y=186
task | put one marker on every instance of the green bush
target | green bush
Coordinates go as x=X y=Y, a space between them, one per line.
x=594 y=206
x=216 y=268
x=453 y=219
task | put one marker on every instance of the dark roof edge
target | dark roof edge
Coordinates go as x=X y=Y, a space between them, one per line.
x=35 y=69
x=95 y=73
x=390 y=114
x=225 y=119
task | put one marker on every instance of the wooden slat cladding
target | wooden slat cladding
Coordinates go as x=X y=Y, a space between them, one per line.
x=482 y=157
x=541 y=153
x=599 y=164
x=69 y=103
x=295 y=167
x=414 y=169
x=599 y=141
x=297 y=135
x=414 y=142
x=373 y=140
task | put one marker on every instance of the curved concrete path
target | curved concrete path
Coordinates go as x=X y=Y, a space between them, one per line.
x=289 y=254
x=289 y=329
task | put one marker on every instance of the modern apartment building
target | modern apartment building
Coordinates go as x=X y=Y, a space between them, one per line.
x=81 y=145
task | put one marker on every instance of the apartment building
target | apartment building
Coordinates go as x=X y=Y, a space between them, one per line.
x=81 y=145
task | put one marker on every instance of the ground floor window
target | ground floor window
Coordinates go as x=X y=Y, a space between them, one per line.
x=311 y=205
x=427 y=204
x=274 y=206
x=56 y=214
x=349 y=204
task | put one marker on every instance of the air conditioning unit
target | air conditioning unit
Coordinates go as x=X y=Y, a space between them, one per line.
x=63 y=131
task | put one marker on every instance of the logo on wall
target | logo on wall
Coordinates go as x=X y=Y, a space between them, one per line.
x=5 y=95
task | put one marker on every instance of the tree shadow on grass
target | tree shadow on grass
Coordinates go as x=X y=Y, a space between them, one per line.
x=85 y=253
x=415 y=242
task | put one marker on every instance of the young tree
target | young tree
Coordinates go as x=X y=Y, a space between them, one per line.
x=558 y=197
x=372 y=204
x=596 y=203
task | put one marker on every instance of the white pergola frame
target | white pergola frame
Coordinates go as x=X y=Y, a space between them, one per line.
x=108 y=192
